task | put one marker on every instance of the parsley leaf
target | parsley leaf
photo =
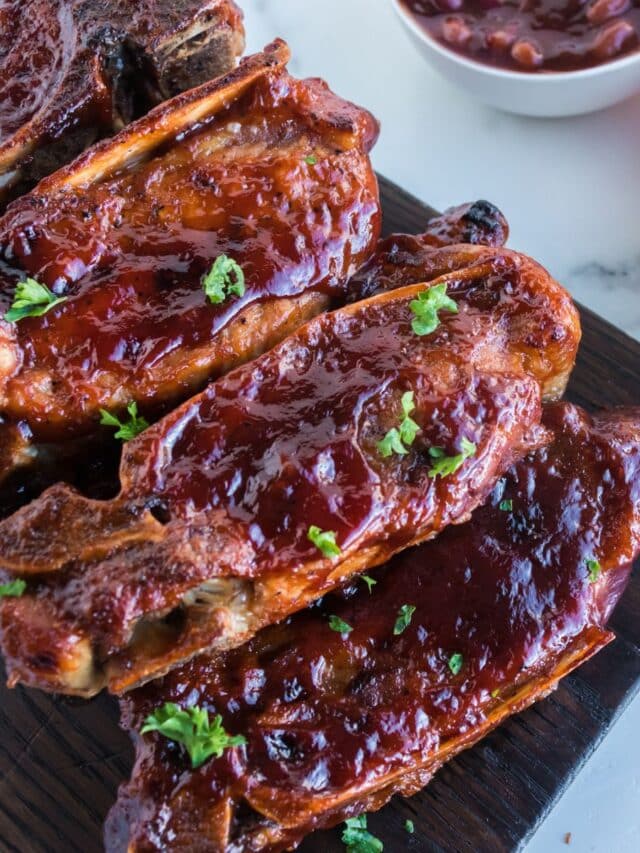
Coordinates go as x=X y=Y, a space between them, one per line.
x=506 y=506
x=370 y=582
x=425 y=309
x=408 y=427
x=310 y=160
x=13 y=589
x=339 y=625
x=391 y=443
x=396 y=439
x=495 y=693
x=129 y=429
x=31 y=299
x=225 y=278
x=408 y=825
x=455 y=663
x=324 y=540
x=191 y=727
x=403 y=620
x=443 y=465
x=357 y=839
x=594 y=569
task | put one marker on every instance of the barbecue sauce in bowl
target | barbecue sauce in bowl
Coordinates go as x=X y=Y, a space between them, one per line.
x=532 y=35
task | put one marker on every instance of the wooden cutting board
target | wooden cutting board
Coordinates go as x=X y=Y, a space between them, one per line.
x=62 y=760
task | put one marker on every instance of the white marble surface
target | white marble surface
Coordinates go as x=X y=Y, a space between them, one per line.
x=571 y=191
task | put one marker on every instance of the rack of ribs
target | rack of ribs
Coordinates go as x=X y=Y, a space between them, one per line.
x=256 y=170
x=375 y=426
x=73 y=71
x=476 y=223
x=335 y=724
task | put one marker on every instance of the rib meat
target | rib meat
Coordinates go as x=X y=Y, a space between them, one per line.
x=337 y=724
x=208 y=540
x=479 y=223
x=73 y=71
x=548 y=350
x=271 y=171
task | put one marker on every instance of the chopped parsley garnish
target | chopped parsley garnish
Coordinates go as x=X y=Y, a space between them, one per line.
x=224 y=279
x=192 y=728
x=310 y=160
x=425 y=309
x=403 y=620
x=370 y=582
x=455 y=663
x=31 y=299
x=13 y=589
x=126 y=429
x=444 y=465
x=594 y=569
x=391 y=443
x=357 y=839
x=398 y=439
x=495 y=693
x=324 y=540
x=339 y=625
x=506 y=506
x=408 y=825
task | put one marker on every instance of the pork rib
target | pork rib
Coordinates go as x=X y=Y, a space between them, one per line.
x=208 y=540
x=478 y=223
x=36 y=466
x=336 y=724
x=548 y=351
x=270 y=171
x=73 y=71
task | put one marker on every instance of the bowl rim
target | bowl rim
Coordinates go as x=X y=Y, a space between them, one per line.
x=531 y=78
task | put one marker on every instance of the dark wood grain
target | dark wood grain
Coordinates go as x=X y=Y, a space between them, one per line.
x=62 y=760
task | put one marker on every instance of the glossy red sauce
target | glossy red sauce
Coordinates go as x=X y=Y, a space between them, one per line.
x=538 y=35
x=129 y=253
x=35 y=50
x=54 y=56
x=291 y=441
x=238 y=474
x=328 y=714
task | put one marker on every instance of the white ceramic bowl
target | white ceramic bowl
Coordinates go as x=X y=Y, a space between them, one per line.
x=563 y=93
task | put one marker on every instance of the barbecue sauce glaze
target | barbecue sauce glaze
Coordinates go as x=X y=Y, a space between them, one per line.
x=331 y=718
x=280 y=181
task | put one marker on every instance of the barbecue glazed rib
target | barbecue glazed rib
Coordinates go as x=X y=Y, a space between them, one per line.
x=270 y=171
x=336 y=724
x=479 y=223
x=37 y=466
x=549 y=349
x=73 y=71
x=208 y=540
